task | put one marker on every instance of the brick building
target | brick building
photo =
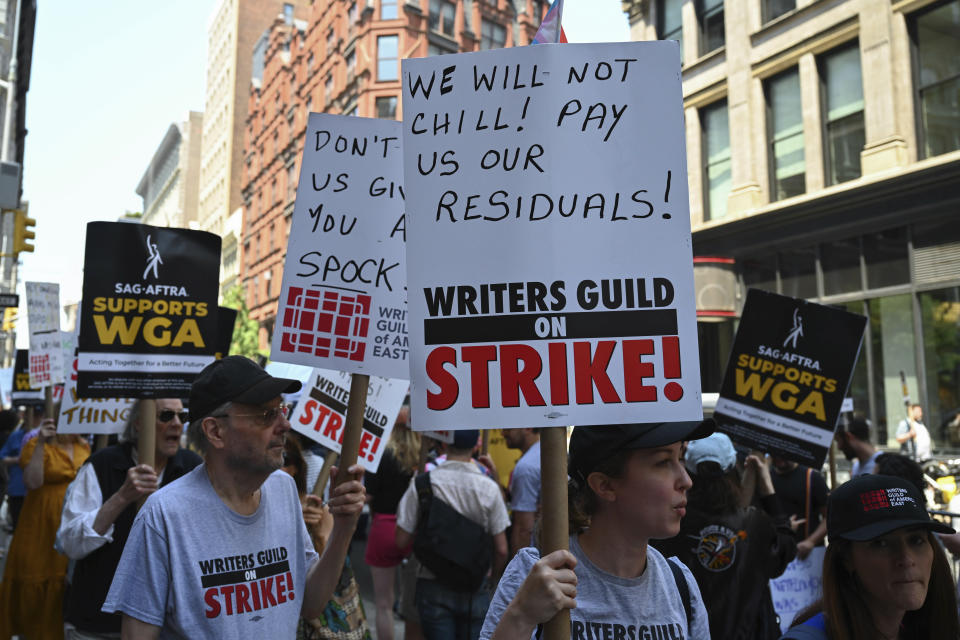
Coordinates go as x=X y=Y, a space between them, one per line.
x=344 y=59
x=823 y=149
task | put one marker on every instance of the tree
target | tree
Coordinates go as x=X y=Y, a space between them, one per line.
x=246 y=331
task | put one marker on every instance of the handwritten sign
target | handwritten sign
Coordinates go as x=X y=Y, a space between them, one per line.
x=549 y=256
x=788 y=372
x=43 y=318
x=798 y=587
x=343 y=300
x=321 y=413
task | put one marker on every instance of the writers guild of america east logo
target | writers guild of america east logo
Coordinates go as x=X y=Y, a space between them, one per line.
x=153 y=259
x=796 y=332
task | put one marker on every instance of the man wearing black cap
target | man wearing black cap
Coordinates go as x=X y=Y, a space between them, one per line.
x=458 y=482
x=224 y=552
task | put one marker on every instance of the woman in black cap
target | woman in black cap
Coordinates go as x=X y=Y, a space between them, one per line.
x=628 y=485
x=885 y=577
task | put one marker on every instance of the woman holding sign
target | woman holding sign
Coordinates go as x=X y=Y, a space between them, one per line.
x=31 y=596
x=628 y=485
x=885 y=575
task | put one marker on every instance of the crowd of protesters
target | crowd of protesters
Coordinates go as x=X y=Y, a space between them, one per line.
x=674 y=532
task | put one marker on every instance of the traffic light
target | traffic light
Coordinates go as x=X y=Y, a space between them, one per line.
x=23 y=232
x=9 y=318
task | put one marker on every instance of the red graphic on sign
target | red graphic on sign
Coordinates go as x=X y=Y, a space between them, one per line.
x=40 y=368
x=325 y=323
x=874 y=500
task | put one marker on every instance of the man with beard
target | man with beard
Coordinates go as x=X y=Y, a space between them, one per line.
x=100 y=506
x=224 y=552
x=854 y=440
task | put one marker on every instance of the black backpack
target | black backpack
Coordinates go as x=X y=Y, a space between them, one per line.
x=456 y=549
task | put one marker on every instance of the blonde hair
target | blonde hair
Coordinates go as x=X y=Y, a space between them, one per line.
x=404 y=443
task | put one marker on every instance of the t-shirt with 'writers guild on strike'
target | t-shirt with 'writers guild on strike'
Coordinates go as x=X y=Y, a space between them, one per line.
x=198 y=569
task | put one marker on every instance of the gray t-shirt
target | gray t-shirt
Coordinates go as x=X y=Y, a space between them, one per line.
x=525 y=481
x=612 y=607
x=198 y=569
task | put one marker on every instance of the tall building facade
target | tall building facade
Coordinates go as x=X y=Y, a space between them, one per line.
x=823 y=144
x=170 y=185
x=343 y=59
x=232 y=32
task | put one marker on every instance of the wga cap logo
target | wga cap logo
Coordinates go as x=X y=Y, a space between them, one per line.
x=153 y=259
x=796 y=332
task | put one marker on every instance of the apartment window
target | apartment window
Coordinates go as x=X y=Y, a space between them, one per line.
x=492 y=35
x=330 y=40
x=309 y=105
x=436 y=50
x=773 y=9
x=937 y=39
x=387 y=57
x=670 y=22
x=351 y=62
x=388 y=9
x=441 y=16
x=328 y=89
x=310 y=63
x=716 y=160
x=291 y=185
x=710 y=15
x=352 y=13
x=387 y=107
x=288 y=13
x=785 y=119
x=843 y=118
x=273 y=194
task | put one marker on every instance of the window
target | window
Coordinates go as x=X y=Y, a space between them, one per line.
x=670 y=22
x=886 y=257
x=328 y=89
x=843 y=118
x=352 y=14
x=710 y=16
x=435 y=50
x=441 y=16
x=291 y=185
x=937 y=37
x=310 y=63
x=288 y=13
x=387 y=107
x=840 y=263
x=716 y=160
x=493 y=35
x=388 y=9
x=387 y=57
x=785 y=121
x=773 y=9
x=798 y=272
x=330 y=41
x=351 y=62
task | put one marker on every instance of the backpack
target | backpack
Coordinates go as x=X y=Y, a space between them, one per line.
x=456 y=549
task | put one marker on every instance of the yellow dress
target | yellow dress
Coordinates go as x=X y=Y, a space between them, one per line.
x=31 y=594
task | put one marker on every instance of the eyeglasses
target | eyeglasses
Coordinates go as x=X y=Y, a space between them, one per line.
x=264 y=419
x=169 y=414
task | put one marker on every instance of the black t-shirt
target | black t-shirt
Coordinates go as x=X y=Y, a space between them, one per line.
x=790 y=487
x=387 y=485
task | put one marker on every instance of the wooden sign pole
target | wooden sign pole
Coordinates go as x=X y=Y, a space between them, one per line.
x=48 y=403
x=147 y=440
x=353 y=428
x=556 y=531
x=324 y=476
x=485 y=442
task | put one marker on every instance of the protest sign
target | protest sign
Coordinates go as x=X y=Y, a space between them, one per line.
x=43 y=321
x=89 y=415
x=23 y=393
x=787 y=375
x=6 y=386
x=546 y=289
x=343 y=299
x=148 y=324
x=798 y=587
x=441 y=436
x=321 y=413
x=226 y=321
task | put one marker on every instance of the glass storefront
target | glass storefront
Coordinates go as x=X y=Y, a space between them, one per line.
x=940 y=317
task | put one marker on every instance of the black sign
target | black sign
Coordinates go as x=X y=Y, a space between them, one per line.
x=9 y=300
x=148 y=324
x=226 y=320
x=22 y=393
x=787 y=376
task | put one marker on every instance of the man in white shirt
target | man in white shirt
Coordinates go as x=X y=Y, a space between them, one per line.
x=913 y=436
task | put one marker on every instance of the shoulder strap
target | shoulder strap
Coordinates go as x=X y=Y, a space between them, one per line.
x=684 y=590
x=807 y=502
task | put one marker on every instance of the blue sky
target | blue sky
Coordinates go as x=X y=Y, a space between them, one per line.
x=108 y=79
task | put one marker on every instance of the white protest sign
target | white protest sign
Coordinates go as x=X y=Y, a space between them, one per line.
x=343 y=302
x=549 y=257
x=441 y=436
x=798 y=587
x=6 y=386
x=89 y=415
x=43 y=318
x=321 y=413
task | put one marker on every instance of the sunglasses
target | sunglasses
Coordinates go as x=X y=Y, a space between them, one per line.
x=169 y=414
x=264 y=419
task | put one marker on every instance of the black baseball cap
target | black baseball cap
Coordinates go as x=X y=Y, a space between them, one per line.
x=871 y=505
x=589 y=446
x=234 y=379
